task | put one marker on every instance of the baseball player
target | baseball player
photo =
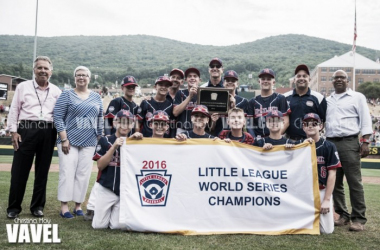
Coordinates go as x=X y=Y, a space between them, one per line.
x=199 y=118
x=262 y=104
x=107 y=155
x=236 y=121
x=231 y=82
x=159 y=124
x=328 y=162
x=275 y=123
x=176 y=76
x=124 y=102
x=158 y=102
x=185 y=100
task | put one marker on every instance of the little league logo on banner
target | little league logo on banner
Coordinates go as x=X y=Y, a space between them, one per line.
x=153 y=187
x=213 y=187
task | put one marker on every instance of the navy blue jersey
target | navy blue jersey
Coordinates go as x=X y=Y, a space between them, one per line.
x=260 y=142
x=115 y=106
x=246 y=138
x=259 y=107
x=327 y=159
x=311 y=102
x=147 y=108
x=192 y=135
x=109 y=177
x=184 y=119
x=221 y=123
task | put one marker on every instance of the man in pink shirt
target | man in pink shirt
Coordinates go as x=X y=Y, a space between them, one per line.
x=30 y=122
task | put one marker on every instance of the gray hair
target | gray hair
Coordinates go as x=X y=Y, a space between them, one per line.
x=342 y=71
x=82 y=68
x=43 y=58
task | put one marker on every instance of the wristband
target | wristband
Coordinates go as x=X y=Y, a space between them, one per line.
x=362 y=140
x=63 y=140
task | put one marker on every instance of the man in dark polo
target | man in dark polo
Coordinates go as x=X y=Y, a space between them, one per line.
x=33 y=134
x=348 y=117
x=302 y=100
x=215 y=69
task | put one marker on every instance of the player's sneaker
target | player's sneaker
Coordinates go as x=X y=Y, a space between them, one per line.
x=89 y=215
x=341 y=221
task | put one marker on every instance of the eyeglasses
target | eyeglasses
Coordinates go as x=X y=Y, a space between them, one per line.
x=339 y=77
x=218 y=66
x=79 y=76
x=307 y=124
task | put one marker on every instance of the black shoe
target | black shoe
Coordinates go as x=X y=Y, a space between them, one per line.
x=12 y=215
x=38 y=213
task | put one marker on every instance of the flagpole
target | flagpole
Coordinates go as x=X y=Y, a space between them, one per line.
x=353 y=51
x=35 y=38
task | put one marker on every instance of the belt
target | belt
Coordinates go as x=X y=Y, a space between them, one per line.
x=342 y=138
x=321 y=187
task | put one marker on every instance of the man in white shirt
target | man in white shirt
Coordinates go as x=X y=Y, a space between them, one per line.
x=348 y=116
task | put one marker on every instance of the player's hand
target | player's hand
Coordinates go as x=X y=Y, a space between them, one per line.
x=181 y=137
x=66 y=147
x=214 y=117
x=267 y=146
x=118 y=143
x=232 y=101
x=309 y=140
x=289 y=146
x=16 y=138
x=228 y=140
x=193 y=91
x=216 y=138
x=325 y=207
x=364 y=150
x=136 y=136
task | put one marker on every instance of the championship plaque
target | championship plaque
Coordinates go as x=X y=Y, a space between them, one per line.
x=217 y=100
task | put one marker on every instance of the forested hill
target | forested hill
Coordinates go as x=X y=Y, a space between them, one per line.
x=146 y=57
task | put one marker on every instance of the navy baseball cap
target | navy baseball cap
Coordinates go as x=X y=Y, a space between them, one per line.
x=160 y=115
x=231 y=74
x=178 y=71
x=267 y=72
x=162 y=79
x=192 y=70
x=128 y=81
x=312 y=116
x=125 y=114
x=216 y=60
x=302 y=67
x=274 y=113
x=201 y=109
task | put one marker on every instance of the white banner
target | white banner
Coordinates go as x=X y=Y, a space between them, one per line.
x=211 y=187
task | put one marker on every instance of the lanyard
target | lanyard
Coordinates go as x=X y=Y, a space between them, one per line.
x=47 y=93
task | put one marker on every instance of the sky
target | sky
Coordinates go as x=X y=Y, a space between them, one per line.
x=207 y=22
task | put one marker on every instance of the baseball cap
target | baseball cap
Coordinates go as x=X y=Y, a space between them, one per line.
x=202 y=109
x=302 y=67
x=178 y=71
x=216 y=60
x=160 y=115
x=274 y=113
x=161 y=79
x=128 y=81
x=312 y=116
x=125 y=114
x=267 y=72
x=232 y=74
x=194 y=70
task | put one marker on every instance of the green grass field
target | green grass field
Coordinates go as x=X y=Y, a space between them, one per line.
x=78 y=234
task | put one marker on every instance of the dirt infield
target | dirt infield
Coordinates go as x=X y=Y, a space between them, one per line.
x=55 y=168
